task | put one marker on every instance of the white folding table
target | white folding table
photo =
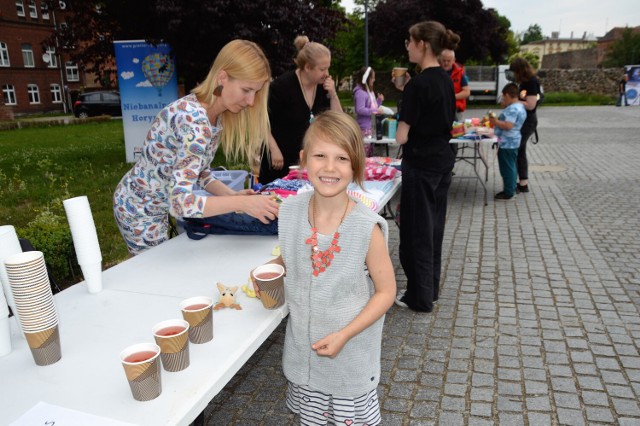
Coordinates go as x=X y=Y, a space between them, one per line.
x=138 y=293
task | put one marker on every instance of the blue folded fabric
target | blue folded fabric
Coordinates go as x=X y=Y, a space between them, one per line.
x=228 y=224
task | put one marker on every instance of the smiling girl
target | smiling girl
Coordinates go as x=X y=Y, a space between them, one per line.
x=339 y=282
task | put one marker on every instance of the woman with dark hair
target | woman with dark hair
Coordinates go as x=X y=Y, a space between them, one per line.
x=424 y=129
x=365 y=102
x=294 y=99
x=529 y=87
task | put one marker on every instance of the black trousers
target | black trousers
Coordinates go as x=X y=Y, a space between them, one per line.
x=423 y=210
x=527 y=130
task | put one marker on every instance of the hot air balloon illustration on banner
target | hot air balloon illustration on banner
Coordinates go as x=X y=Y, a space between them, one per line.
x=158 y=68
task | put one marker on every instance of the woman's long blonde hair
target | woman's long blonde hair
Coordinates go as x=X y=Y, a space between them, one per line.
x=244 y=133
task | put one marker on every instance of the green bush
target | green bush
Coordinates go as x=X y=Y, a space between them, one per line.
x=50 y=234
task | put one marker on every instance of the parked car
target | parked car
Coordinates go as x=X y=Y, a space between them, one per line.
x=97 y=103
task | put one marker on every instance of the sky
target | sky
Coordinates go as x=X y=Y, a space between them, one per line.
x=595 y=17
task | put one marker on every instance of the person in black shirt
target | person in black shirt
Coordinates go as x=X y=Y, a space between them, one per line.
x=424 y=129
x=295 y=98
x=529 y=87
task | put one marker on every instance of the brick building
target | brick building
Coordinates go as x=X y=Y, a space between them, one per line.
x=556 y=44
x=34 y=78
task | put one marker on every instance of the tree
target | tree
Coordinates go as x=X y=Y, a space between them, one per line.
x=483 y=34
x=530 y=57
x=625 y=51
x=533 y=33
x=196 y=34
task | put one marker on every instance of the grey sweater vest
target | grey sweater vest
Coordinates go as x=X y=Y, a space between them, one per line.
x=325 y=304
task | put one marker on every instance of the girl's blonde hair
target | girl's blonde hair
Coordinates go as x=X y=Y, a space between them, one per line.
x=309 y=52
x=341 y=129
x=243 y=133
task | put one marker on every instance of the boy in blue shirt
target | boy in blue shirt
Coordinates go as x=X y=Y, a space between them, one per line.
x=507 y=128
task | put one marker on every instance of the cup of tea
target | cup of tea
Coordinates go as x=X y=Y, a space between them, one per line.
x=173 y=338
x=269 y=283
x=141 y=364
x=198 y=313
x=399 y=73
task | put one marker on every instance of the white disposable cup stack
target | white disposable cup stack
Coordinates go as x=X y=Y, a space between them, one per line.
x=9 y=245
x=32 y=291
x=85 y=241
x=92 y=273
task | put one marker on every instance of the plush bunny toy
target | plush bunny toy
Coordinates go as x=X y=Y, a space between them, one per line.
x=227 y=298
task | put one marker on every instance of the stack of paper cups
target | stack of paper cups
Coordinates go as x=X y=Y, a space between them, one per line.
x=9 y=245
x=85 y=241
x=29 y=282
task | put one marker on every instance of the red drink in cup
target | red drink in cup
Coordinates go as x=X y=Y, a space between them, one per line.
x=170 y=331
x=269 y=282
x=197 y=311
x=139 y=357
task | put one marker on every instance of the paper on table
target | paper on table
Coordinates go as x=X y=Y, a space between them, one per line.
x=48 y=414
x=386 y=110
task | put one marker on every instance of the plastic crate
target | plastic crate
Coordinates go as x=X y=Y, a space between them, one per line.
x=234 y=179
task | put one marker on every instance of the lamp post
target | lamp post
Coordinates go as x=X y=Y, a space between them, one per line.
x=366 y=33
x=63 y=91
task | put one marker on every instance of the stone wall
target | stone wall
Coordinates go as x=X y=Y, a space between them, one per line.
x=584 y=58
x=603 y=81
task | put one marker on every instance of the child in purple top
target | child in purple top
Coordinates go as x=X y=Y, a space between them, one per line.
x=365 y=102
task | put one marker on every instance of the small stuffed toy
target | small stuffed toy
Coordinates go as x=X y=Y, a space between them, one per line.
x=227 y=298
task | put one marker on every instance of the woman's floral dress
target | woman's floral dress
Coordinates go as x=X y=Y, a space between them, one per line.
x=176 y=156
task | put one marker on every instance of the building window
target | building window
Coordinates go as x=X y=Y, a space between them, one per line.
x=33 y=10
x=34 y=94
x=4 y=55
x=72 y=71
x=27 y=56
x=9 y=94
x=20 y=7
x=53 y=59
x=56 y=94
x=44 y=10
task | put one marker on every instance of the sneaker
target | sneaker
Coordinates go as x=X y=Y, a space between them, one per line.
x=503 y=197
x=400 y=303
x=520 y=188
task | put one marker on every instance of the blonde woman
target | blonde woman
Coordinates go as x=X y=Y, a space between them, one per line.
x=229 y=108
x=295 y=98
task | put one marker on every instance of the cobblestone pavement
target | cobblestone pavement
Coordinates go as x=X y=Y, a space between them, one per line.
x=538 y=319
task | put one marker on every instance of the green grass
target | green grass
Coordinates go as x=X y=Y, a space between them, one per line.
x=41 y=167
x=577 y=99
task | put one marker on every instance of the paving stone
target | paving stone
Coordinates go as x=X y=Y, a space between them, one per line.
x=539 y=419
x=595 y=398
x=599 y=414
x=546 y=337
x=538 y=403
x=626 y=407
x=570 y=417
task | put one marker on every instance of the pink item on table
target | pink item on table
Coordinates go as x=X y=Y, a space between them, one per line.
x=380 y=172
x=296 y=174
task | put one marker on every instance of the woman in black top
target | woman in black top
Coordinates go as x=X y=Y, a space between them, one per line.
x=529 y=87
x=294 y=99
x=424 y=129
